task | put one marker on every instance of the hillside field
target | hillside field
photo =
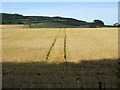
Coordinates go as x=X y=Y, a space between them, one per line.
x=54 y=25
x=59 y=57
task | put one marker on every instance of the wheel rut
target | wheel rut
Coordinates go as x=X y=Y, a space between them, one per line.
x=53 y=44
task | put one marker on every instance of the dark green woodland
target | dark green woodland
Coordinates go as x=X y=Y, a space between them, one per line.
x=49 y=22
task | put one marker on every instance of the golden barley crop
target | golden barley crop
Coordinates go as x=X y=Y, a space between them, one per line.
x=59 y=57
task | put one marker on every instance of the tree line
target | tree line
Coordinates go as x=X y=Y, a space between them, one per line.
x=20 y=19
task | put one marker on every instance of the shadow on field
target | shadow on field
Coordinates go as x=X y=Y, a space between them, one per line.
x=86 y=74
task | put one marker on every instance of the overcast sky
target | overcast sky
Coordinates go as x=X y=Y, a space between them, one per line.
x=88 y=11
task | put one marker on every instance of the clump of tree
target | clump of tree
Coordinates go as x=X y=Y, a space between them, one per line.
x=96 y=23
x=12 y=18
x=116 y=25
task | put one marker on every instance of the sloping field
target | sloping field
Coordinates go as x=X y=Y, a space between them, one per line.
x=59 y=57
x=55 y=25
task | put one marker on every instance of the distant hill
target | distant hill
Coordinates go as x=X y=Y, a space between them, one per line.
x=48 y=22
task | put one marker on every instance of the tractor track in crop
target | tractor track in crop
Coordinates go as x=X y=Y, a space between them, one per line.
x=65 y=55
x=49 y=52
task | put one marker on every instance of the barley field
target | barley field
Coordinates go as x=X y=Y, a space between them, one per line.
x=59 y=57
